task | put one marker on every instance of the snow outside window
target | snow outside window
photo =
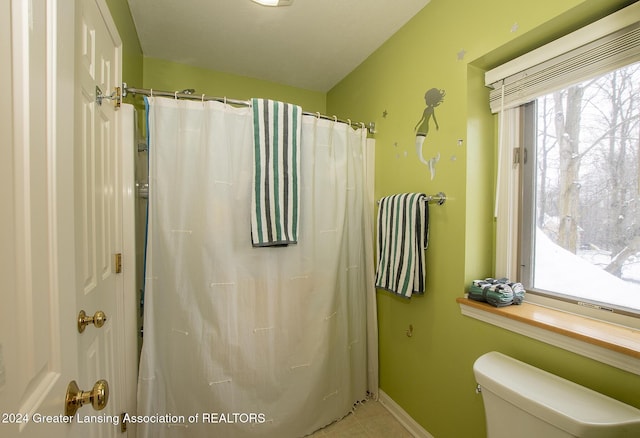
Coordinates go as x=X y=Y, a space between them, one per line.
x=580 y=235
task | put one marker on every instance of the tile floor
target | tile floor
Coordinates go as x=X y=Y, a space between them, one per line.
x=369 y=420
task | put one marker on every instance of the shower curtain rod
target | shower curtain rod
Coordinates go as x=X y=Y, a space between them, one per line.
x=371 y=126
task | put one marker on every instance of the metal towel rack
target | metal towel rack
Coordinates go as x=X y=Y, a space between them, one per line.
x=439 y=198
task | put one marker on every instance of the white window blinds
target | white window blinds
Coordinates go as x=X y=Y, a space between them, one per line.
x=601 y=47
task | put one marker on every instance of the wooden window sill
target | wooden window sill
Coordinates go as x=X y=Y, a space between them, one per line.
x=609 y=343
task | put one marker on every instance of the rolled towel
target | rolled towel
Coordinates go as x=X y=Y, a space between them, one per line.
x=497 y=292
x=518 y=292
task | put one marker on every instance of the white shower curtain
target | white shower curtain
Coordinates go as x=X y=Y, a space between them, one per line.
x=242 y=341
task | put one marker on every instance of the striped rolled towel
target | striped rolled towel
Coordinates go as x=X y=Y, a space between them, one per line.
x=275 y=195
x=403 y=235
x=497 y=292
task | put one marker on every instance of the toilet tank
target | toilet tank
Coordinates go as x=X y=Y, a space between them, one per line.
x=523 y=401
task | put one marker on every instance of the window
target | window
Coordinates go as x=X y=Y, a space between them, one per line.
x=581 y=193
x=568 y=189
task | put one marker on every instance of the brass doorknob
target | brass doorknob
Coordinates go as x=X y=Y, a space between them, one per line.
x=75 y=399
x=98 y=319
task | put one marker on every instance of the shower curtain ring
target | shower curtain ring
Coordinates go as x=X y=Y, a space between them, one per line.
x=151 y=92
x=203 y=98
x=318 y=116
x=175 y=95
x=349 y=122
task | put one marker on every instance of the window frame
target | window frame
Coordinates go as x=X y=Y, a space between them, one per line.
x=526 y=254
x=607 y=44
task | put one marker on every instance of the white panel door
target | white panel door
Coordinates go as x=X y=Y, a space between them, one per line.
x=60 y=217
x=98 y=209
x=38 y=355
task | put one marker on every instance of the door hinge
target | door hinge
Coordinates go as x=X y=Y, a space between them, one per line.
x=117 y=263
x=123 y=422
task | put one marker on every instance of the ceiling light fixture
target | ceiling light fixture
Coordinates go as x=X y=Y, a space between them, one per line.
x=274 y=2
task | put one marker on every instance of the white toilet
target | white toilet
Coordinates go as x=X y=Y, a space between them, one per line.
x=522 y=401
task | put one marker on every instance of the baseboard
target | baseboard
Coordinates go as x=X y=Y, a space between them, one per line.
x=405 y=419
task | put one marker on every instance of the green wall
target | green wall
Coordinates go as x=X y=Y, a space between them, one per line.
x=449 y=45
x=167 y=75
x=131 y=50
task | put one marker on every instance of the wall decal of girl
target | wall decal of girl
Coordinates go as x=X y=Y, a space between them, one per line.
x=432 y=99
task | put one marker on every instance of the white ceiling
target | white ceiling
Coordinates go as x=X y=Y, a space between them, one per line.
x=312 y=44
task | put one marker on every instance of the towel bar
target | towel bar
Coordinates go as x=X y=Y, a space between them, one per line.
x=439 y=198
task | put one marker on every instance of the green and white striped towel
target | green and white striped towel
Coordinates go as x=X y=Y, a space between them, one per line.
x=403 y=235
x=275 y=197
